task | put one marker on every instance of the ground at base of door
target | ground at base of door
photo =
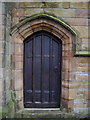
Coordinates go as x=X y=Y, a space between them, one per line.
x=47 y=115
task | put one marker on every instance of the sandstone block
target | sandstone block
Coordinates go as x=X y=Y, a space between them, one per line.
x=15 y=20
x=65 y=76
x=1 y=73
x=18 y=74
x=81 y=13
x=17 y=58
x=18 y=49
x=88 y=103
x=18 y=84
x=68 y=93
x=83 y=65
x=29 y=4
x=29 y=12
x=64 y=12
x=18 y=65
x=72 y=93
x=82 y=77
x=17 y=39
x=86 y=40
x=17 y=12
x=85 y=46
x=84 y=69
x=84 y=60
x=1 y=47
x=70 y=84
x=79 y=5
x=65 y=64
x=82 y=31
x=65 y=4
x=67 y=103
x=20 y=104
x=80 y=105
x=72 y=64
x=19 y=95
x=76 y=21
x=65 y=93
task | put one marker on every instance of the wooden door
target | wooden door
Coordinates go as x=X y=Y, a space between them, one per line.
x=42 y=61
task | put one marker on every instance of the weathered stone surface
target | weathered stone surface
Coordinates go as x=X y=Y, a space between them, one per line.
x=65 y=76
x=29 y=12
x=80 y=105
x=17 y=39
x=79 y=5
x=81 y=13
x=82 y=31
x=1 y=47
x=83 y=65
x=74 y=69
x=69 y=64
x=86 y=40
x=85 y=46
x=18 y=85
x=68 y=93
x=68 y=47
x=66 y=5
x=70 y=85
x=0 y=8
x=18 y=49
x=67 y=103
x=40 y=5
x=19 y=95
x=17 y=58
x=81 y=77
x=17 y=12
x=20 y=104
x=1 y=91
x=88 y=101
x=2 y=28
x=1 y=73
x=84 y=60
x=72 y=93
x=82 y=111
x=76 y=21
x=18 y=75
x=29 y=4
x=65 y=64
x=18 y=65
x=49 y=5
x=15 y=20
x=64 y=12
x=65 y=93
x=83 y=69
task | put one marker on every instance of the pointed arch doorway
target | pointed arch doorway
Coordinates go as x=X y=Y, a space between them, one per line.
x=24 y=32
x=42 y=67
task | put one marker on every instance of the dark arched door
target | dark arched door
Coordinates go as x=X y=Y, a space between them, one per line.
x=42 y=60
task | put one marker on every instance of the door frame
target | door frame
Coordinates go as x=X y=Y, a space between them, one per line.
x=60 y=61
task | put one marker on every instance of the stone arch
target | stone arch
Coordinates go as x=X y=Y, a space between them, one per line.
x=45 y=22
x=61 y=30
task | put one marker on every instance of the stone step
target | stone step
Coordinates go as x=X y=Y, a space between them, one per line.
x=43 y=114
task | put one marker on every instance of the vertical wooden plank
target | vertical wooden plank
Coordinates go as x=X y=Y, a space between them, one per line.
x=50 y=70
x=28 y=72
x=45 y=68
x=37 y=69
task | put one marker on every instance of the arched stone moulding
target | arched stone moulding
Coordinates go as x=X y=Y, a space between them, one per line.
x=57 y=23
x=69 y=40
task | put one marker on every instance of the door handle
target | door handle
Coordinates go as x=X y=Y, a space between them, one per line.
x=55 y=68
